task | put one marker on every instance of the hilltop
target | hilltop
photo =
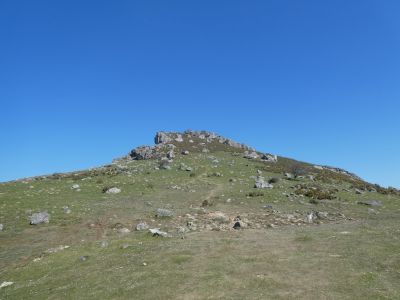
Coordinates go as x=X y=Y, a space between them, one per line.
x=199 y=216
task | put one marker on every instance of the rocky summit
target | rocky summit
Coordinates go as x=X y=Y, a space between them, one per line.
x=199 y=216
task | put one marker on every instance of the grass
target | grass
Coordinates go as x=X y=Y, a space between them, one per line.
x=350 y=257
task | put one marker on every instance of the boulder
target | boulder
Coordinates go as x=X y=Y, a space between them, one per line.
x=39 y=218
x=162 y=138
x=269 y=157
x=251 y=155
x=179 y=138
x=262 y=184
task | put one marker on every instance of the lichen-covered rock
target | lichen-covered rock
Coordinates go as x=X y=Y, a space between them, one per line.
x=162 y=212
x=39 y=218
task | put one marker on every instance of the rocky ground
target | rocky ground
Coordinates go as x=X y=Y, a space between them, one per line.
x=199 y=216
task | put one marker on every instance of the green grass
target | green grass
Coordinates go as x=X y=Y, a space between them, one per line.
x=351 y=256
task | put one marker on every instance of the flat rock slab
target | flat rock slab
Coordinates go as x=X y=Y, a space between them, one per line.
x=370 y=202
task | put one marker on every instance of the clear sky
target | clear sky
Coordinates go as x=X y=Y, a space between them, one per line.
x=83 y=82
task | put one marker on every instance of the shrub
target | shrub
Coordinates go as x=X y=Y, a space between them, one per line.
x=255 y=194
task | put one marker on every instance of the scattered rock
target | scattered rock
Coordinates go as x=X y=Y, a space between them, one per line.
x=262 y=184
x=158 y=232
x=370 y=202
x=179 y=138
x=66 y=210
x=311 y=217
x=113 y=190
x=123 y=230
x=142 y=226
x=322 y=215
x=162 y=212
x=56 y=249
x=104 y=244
x=170 y=154
x=39 y=218
x=75 y=186
x=359 y=192
x=186 y=152
x=289 y=176
x=5 y=284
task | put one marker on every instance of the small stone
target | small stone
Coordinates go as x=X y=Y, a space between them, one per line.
x=144 y=264
x=75 y=186
x=1 y=227
x=38 y=218
x=104 y=244
x=113 y=190
x=142 y=226
x=66 y=210
x=236 y=225
x=84 y=258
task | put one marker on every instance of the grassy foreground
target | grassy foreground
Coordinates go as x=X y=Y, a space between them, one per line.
x=353 y=254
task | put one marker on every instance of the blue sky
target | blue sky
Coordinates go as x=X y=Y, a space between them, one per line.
x=83 y=82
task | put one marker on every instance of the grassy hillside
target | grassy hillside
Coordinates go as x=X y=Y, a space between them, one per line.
x=306 y=238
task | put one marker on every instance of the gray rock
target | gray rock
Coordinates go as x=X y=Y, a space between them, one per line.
x=179 y=138
x=1 y=227
x=142 y=226
x=162 y=138
x=66 y=210
x=84 y=258
x=75 y=186
x=170 y=154
x=158 y=232
x=104 y=244
x=371 y=202
x=113 y=190
x=251 y=155
x=186 y=152
x=162 y=212
x=322 y=215
x=39 y=218
x=269 y=157
x=262 y=184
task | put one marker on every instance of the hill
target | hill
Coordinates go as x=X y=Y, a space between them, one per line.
x=199 y=216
